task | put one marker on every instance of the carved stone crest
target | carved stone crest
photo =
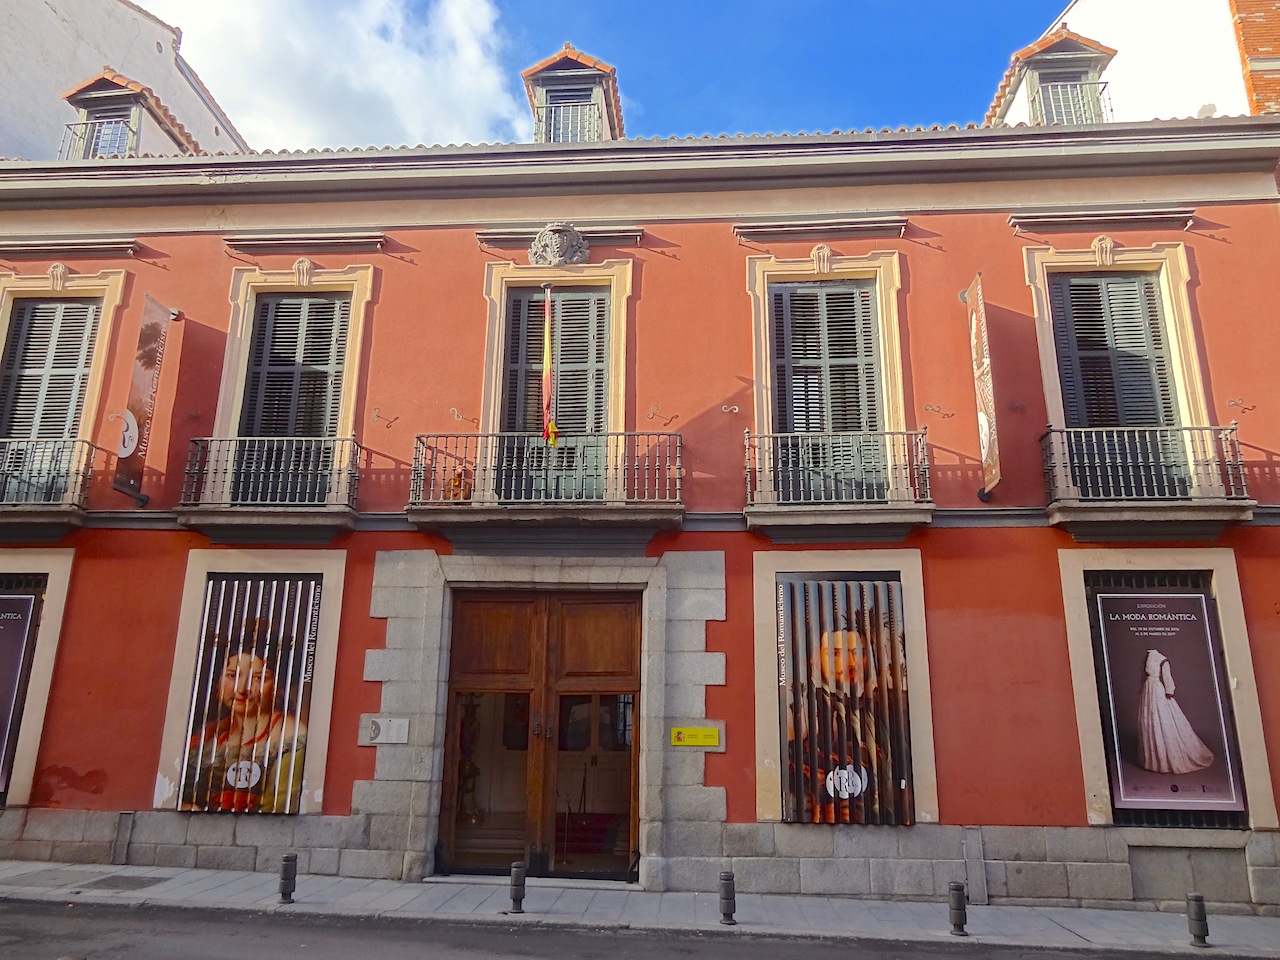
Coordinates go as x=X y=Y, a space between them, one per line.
x=302 y=271
x=1104 y=251
x=821 y=255
x=558 y=243
x=58 y=277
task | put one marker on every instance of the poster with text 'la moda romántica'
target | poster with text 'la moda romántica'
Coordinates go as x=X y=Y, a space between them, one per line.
x=1172 y=745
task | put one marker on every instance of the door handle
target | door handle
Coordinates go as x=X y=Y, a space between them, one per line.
x=537 y=725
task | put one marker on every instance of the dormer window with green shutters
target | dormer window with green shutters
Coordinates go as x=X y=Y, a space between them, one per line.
x=826 y=370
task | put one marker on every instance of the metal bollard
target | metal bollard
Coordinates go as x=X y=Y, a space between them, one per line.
x=288 y=877
x=1197 y=920
x=956 y=909
x=728 y=898
x=518 y=870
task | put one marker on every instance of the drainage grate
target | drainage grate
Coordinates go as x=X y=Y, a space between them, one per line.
x=124 y=883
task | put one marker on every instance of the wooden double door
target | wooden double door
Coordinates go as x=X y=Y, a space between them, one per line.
x=541 y=755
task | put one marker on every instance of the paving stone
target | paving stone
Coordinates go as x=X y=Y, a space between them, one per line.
x=815 y=840
x=749 y=840
x=374 y=864
x=1100 y=881
x=902 y=878
x=50 y=824
x=1031 y=879
x=766 y=874
x=224 y=858
x=844 y=877
x=1014 y=843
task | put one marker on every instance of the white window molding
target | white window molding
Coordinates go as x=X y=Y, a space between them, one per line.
x=55 y=565
x=882 y=266
x=1241 y=681
x=767 y=565
x=501 y=278
x=249 y=283
x=329 y=564
x=1169 y=261
x=59 y=283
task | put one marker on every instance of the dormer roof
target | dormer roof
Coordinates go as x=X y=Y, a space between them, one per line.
x=569 y=57
x=1061 y=40
x=109 y=81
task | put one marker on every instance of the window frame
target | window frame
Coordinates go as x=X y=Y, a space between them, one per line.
x=767 y=565
x=1169 y=262
x=884 y=267
x=329 y=564
x=1220 y=564
x=501 y=278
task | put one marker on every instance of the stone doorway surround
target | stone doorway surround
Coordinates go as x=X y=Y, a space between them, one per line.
x=412 y=590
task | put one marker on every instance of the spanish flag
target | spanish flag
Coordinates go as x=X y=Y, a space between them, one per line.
x=550 y=432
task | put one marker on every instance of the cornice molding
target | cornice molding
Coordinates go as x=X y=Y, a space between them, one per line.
x=304 y=242
x=596 y=235
x=1045 y=221
x=804 y=229
x=56 y=247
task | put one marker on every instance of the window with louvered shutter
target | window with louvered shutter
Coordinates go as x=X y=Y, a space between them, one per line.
x=1113 y=356
x=826 y=357
x=580 y=344
x=293 y=386
x=47 y=361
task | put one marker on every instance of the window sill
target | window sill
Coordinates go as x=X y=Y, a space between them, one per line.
x=1107 y=520
x=822 y=522
x=39 y=522
x=264 y=524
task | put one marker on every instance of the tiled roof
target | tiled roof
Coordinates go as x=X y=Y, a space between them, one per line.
x=582 y=59
x=153 y=102
x=1005 y=90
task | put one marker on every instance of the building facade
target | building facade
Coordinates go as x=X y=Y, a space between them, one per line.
x=864 y=512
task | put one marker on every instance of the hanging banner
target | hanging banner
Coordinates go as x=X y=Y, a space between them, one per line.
x=15 y=630
x=987 y=441
x=1171 y=745
x=135 y=434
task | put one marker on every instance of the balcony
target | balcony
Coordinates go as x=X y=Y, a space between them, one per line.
x=43 y=484
x=271 y=489
x=569 y=123
x=1112 y=483
x=1075 y=102
x=108 y=137
x=472 y=485
x=837 y=486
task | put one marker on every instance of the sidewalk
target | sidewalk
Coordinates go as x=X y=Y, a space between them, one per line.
x=605 y=905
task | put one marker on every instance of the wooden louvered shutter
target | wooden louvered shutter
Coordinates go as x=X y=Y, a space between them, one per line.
x=826 y=357
x=47 y=361
x=1113 y=358
x=580 y=340
x=293 y=387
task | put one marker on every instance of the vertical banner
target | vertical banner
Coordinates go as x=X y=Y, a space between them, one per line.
x=135 y=435
x=252 y=694
x=15 y=639
x=1172 y=746
x=550 y=432
x=842 y=685
x=987 y=440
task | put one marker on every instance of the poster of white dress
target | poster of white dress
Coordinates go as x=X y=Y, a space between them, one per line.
x=1172 y=746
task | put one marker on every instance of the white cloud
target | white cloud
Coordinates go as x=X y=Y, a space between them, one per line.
x=298 y=73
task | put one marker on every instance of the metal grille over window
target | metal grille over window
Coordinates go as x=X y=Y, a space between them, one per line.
x=842 y=696
x=21 y=602
x=1172 y=753
x=251 y=695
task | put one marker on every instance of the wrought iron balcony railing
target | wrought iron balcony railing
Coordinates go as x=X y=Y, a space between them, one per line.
x=109 y=137
x=272 y=472
x=569 y=123
x=1073 y=102
x=808 y=469
x=44 y=472
x=521 y=469
x=1143 y=463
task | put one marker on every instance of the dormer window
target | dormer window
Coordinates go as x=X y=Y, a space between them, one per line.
x=574 y=98
x=1055 y=81
x=1068 y=97
x=120 y=117
x=105 y=132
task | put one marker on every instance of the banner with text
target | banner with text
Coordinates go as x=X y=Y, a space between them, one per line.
x=987 y=440
x=135 y=435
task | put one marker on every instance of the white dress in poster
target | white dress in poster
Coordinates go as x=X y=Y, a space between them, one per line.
x=1169 y=744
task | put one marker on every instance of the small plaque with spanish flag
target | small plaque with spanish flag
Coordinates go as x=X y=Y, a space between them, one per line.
x=695 y=737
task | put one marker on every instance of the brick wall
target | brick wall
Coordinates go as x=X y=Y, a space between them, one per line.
x=1257 y=24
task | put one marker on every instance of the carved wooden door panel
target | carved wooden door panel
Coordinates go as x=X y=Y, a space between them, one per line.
x=541 y=758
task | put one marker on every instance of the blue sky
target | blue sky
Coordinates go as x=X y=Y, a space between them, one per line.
x=764 y=66
x=329 y=73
